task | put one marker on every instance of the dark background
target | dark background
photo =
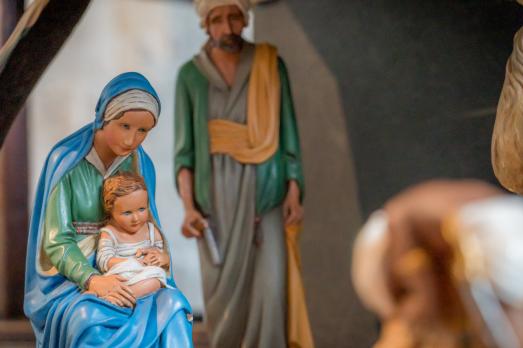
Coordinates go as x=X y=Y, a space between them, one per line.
x=419 y=81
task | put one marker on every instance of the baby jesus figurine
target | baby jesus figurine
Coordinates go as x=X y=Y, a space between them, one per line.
x=130 y=245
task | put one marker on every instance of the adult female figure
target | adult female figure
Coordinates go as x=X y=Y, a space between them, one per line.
x=64 y=227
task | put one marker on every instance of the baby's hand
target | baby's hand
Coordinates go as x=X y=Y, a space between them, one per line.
x=153 y=257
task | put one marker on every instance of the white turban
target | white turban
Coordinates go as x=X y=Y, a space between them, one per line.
x=203 y=7
x=134 y=99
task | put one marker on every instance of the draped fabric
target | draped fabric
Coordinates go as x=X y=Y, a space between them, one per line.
x=256 y=141
x=191 y=119
x=245 y=296
x=131 y=269
x=60 y=314
x=299 y=333
x=132 y=100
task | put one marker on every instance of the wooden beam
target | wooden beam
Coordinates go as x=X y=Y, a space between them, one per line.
x=13 y=195
x=33 y=54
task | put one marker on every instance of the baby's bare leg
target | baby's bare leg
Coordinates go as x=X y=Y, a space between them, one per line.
x=145 y=287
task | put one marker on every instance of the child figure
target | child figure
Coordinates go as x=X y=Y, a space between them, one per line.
x=130 y=245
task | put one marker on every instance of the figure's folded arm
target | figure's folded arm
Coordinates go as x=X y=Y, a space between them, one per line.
x=59 y=240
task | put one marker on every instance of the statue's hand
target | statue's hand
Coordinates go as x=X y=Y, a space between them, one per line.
x=112 y=289
x=193 y=224
x=292 y=208
x=154 y=257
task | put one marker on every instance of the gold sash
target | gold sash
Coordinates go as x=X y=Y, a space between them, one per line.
x=256 y=141
x=299 y=334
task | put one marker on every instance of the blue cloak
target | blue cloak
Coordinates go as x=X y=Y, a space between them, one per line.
x=60 y=314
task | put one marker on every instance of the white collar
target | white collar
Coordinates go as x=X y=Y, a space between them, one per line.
x=93 y=158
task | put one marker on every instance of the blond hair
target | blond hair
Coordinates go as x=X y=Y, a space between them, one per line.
x=120 y=185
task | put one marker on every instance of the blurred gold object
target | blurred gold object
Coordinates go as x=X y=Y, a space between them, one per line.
x=298 y=326
x=507 y=138
x=257 y=140
x=395 y=334
x=412 y=262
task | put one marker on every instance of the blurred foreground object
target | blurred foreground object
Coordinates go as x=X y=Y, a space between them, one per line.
x=441 y=264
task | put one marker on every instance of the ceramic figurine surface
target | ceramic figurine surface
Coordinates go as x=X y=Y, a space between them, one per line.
x=444 y=266
x=507 y=161
x=130 y=245
x=66 y=219
x=238 y=171
x=507 y=143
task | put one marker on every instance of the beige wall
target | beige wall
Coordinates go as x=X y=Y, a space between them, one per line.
x=332 y=215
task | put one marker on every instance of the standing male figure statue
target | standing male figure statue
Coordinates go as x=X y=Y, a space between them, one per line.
x=238 y=169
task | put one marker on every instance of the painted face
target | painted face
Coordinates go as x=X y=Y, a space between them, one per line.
x=131 y=212
x=125 y=134
x=225 y=25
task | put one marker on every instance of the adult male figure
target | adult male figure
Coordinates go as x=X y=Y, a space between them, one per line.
x=237 y=163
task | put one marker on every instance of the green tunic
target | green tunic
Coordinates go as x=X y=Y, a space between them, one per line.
x=192 y=142
x=76 y=198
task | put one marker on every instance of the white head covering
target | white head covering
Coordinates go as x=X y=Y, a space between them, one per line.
x=133 y=99
x=203 y=7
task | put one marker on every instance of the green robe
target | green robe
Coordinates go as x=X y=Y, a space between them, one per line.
x=76 y=198
x=192 y=142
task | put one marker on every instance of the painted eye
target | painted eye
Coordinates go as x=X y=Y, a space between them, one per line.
x=216 y=20
x=143 y=130
x=125 y=126
x=142 y=209
x=126 y=213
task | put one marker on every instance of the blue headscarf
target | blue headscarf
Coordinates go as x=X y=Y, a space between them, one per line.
x=42 y=291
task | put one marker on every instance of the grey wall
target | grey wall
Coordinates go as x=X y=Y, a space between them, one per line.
x=419 y=81
x=332 y=214
x=388 y=93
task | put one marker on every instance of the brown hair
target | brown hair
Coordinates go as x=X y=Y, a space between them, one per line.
x=120 y=185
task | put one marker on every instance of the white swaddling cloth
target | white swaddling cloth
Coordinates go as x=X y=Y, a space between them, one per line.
x=131 y=269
